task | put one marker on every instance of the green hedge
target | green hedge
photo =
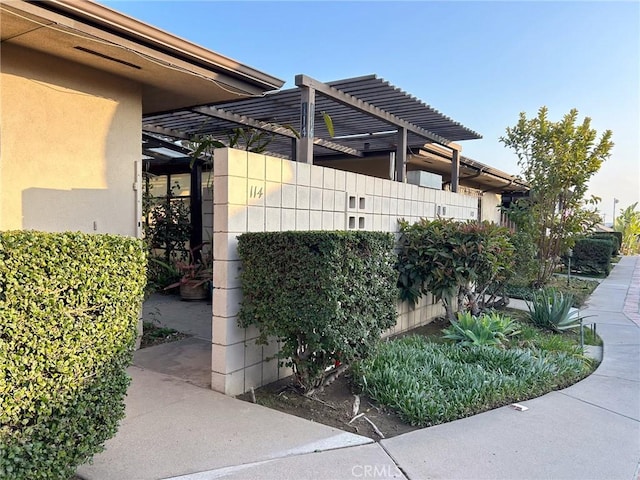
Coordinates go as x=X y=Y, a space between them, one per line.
x=69 y=307
x=614 y=237
x=327 y=296
x=592 y=256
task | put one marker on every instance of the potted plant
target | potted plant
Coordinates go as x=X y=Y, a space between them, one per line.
x=197 y=275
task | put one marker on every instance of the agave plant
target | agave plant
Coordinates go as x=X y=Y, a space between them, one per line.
x=551 y=309
x=488 y=329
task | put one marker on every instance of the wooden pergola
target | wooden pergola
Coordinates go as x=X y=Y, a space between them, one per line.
x=369 y=117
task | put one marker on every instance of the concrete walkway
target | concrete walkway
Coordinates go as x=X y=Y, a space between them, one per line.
x=590 y=430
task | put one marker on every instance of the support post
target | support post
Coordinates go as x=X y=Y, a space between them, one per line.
x=392 y=165
x=196 y=205
x=401 y=155
x=455 y=170
x=307 y=115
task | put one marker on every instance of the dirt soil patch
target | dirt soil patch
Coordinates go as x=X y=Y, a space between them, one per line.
x=154 y=335
x=335 y=405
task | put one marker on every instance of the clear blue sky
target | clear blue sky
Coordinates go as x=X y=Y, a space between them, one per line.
x=480 y=63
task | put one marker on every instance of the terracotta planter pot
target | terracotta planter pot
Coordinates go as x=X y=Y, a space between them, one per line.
x=193 y=290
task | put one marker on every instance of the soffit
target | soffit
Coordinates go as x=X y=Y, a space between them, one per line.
x=167 y=81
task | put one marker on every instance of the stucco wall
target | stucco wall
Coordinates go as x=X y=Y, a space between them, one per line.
x=254 y=192
x=490 y=210
x=70 y=139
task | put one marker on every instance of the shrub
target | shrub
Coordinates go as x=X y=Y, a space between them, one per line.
x=327 y=296
x=592 y=256
x=486 y=329
x=551 y=309
x=458 y=262
x=614 y=237
x=69 y=306
x=525 y=256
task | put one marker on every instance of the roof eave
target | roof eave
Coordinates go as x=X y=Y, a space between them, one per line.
x=160 y=40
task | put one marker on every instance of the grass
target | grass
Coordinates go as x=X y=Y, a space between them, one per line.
x=429 y=383
x=579 y=288
x=563 y=271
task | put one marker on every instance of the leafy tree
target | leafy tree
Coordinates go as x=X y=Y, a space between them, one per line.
x=629 y=224
x=557 y=160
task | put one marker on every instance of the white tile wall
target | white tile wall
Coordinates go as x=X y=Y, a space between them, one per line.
x=329 y=179
x=272 y=221
x=289 y=196
x=303 y=171
x=317 y=177
x=315 y=220
x=273 y=169
x=302 y=200
x=253 y=192
x=302 y=220
x=288 y=219
x=315 y=199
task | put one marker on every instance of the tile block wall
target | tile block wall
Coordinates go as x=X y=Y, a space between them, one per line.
x=255 y=193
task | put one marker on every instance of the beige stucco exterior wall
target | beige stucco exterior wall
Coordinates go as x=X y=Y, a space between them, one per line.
x=490 y=211
x=254 y=192
x=70 y=143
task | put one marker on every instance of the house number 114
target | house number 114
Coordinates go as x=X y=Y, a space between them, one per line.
x=255 y=191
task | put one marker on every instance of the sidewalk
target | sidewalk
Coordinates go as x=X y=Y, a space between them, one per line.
x=590 y=430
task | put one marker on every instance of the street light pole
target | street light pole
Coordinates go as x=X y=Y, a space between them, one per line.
x=613 y=220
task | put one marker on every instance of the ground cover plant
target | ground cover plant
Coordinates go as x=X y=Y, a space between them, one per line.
x=153 y=334
x=431 y=383
x=334 y=405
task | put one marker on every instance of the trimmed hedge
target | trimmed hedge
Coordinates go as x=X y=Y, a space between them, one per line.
x=327 y=296
x=592 y=256
x=69 y=307
x=614 y=237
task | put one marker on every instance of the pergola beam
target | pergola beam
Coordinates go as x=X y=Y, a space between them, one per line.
x=273 y=128
x=338 y=147
x=365 y=107
x=154 y=142
x=244 y=120
x=158 y=155
x=165 y=131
